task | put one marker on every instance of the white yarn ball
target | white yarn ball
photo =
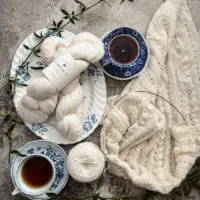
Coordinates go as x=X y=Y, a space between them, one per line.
x=85 y=162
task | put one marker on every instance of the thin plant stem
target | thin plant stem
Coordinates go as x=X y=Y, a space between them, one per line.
x=81 y=12
x=24 y=65
x=35 y=47
x=10 y=147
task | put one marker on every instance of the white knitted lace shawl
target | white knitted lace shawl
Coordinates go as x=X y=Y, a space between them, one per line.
x=146 y=138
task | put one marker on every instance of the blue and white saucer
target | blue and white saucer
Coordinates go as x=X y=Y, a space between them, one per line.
x=53 y=152
x=125 y=71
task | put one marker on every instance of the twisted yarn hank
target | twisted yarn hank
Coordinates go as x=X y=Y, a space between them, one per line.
x=85 y=162
x=41 y=98
x=84 y=48
x=42 y=93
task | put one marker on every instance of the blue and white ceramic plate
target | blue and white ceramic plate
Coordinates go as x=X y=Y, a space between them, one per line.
x=53 y=152
x=129 y=70
x=92 y=80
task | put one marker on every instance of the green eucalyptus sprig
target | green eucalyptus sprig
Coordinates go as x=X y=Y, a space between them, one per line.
x=9 y=119
x=13 y=81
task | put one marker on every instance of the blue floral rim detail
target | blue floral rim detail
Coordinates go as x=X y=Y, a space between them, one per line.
x=53 y=152
x=129 y=70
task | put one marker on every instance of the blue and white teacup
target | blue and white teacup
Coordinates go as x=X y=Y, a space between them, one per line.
x=22 y=187
x=126 y=53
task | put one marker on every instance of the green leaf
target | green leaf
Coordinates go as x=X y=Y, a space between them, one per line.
x=59 y=23
x=71 y=20
x=75 y=18
x=122 y=1
x=100 y=182
x=54 y=23
x=36 y=55
x=10 y=129
x=187 y=189
x=26 y=47
x=73 y=13
x=59 y=34
x=37 y=51
x=123 y=189
x=41 y=34
x=23 y=84
x=38 y=36
x=11 y=79
x=197 y=183
x=95 y=197
x=10 y=90
x=78 y=2
x=8 y=135
x=7 y=118
x=37 y=68
x=64 y=11
x=53 y=29
x=89 y=185
x=66 y=17
x=18 y=153
x=83 y=7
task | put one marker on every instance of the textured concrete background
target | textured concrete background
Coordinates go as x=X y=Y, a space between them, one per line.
x=18 y=18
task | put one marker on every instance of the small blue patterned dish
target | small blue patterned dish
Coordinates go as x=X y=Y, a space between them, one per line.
x=126 y=53
x=55 y=153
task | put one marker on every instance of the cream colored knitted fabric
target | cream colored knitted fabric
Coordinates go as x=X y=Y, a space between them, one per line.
x=145 y=138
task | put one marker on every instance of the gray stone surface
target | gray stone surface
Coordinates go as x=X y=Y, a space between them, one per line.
x=18 y=18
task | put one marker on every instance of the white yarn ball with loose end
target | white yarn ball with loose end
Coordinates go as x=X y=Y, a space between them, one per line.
x=86 y=162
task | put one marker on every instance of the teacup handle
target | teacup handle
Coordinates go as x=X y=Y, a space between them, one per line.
x=106 y=63
x=98 y=64
x=16 y=191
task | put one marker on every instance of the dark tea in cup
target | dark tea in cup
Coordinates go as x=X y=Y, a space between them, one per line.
x=123 y=49
x=37 y=172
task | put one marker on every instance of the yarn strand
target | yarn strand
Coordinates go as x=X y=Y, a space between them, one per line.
x=157 y=95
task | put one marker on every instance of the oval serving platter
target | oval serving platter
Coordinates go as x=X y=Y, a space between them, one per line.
x=92 y=80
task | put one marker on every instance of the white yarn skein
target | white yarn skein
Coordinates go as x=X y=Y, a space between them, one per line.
x=85 y=162
x=51 y=48
x=42 y=89
x=69 y=111
x=41 y=98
